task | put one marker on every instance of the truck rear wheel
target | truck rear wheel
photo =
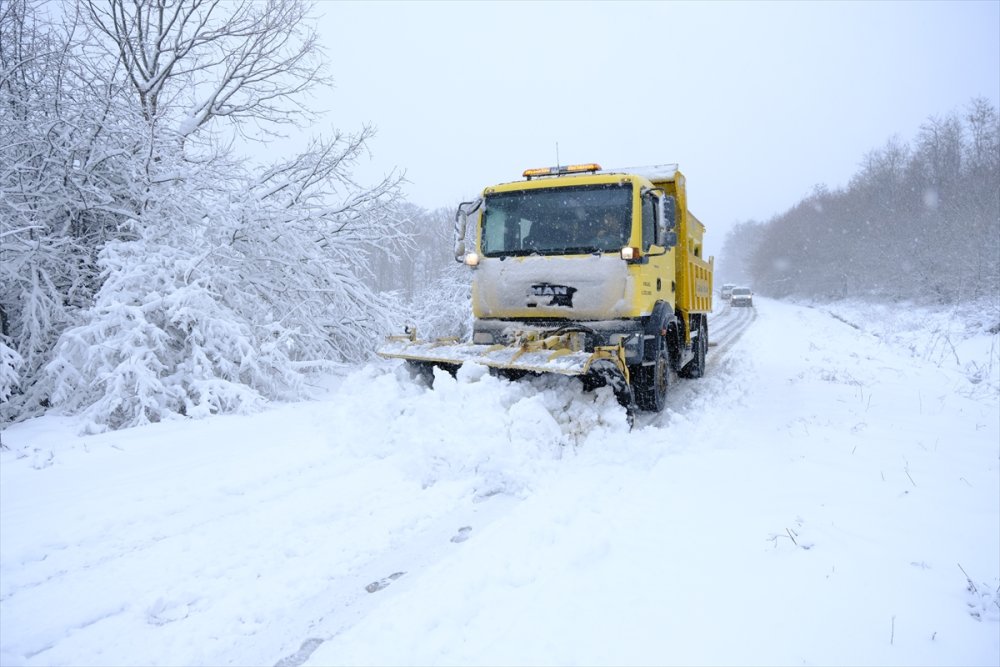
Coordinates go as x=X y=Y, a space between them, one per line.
x=650 y=383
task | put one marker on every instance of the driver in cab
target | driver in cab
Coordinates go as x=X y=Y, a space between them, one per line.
x=609 y=232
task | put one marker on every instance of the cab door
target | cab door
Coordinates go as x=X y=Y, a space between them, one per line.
x=655 y=275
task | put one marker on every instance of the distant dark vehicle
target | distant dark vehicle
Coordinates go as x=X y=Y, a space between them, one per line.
x=742 y=297
x=727 y=290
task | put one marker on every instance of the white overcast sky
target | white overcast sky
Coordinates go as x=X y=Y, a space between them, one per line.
x=757 y=102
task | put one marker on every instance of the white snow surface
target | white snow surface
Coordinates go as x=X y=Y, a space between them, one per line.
x=829 y=494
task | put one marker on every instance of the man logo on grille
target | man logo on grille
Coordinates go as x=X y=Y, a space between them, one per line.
x=561 y=294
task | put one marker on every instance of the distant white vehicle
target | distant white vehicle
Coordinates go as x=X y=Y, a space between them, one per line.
x=727 y=291
x=741 y=296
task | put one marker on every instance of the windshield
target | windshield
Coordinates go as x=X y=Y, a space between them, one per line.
x=741 y=291
x=557 y=221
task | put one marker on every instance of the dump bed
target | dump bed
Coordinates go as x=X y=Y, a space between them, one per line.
x=694 y=272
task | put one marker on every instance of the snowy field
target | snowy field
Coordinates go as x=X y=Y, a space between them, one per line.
x=829 y=494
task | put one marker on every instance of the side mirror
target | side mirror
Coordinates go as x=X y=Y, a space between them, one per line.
x=465 y=209
x=666 y=220
x=669 y=211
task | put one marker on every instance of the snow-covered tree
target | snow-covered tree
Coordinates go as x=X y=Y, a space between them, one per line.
x=210 y=286
x=432 y=290
x=10 y=364
x=65 y=154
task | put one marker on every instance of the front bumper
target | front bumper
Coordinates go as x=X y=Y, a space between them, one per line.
x=599 y=333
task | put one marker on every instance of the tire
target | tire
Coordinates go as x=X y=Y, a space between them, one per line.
x=696 y=367
x=422 y=372
x=512 y=374
x=650 y=383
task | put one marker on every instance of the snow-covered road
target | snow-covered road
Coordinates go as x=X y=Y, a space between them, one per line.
x=822 y=496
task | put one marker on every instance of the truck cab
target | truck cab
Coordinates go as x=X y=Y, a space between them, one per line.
x=612 y=254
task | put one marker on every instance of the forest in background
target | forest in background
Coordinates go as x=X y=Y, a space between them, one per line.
x=917 y=222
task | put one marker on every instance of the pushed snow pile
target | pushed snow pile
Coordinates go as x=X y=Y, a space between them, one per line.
x=820 y=497
x=473 y=424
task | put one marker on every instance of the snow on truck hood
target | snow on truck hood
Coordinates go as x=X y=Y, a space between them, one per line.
x=580 y=287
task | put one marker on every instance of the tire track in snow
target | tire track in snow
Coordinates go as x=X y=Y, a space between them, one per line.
x=733 y=323
x=347 y=600
x=724 y=331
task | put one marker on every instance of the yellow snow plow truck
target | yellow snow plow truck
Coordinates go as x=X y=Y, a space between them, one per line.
x=584 y=272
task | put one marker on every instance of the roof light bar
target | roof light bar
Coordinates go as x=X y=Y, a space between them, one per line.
x=576 y=168
x=556 y=171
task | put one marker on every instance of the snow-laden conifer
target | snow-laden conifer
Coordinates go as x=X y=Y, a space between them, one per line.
x=10 y=364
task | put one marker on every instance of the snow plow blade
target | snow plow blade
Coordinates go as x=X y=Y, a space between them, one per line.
x=557 y=353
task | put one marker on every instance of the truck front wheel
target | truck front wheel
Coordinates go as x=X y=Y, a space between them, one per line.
x=650 y=382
